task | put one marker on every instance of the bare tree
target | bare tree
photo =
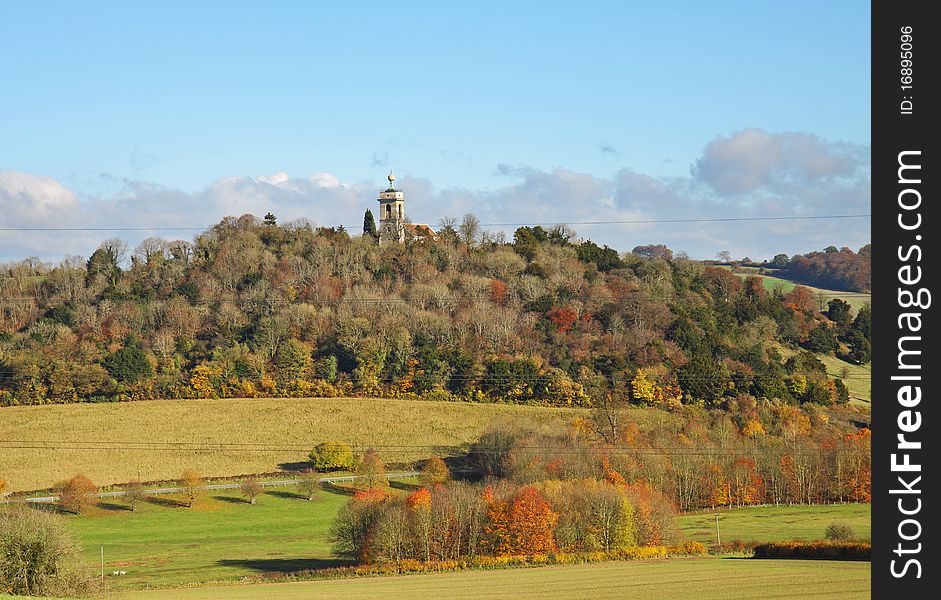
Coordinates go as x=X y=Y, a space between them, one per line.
x=134 y=493
x=251 y=489
x=309 y=483
x=469 y=230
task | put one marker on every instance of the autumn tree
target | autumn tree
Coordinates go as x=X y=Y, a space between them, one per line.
x=523 y=524
x=251 y=488
x=435 y=471
x=77 y=494
x=134 y=493
x=193 y=486
x=371 y=473
x=354 y=527
x=332 y=455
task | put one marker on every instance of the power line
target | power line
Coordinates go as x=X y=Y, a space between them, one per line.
x=550 y=224
x=468 y=449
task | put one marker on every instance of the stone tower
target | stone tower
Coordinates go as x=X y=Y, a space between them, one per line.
x=391 y=214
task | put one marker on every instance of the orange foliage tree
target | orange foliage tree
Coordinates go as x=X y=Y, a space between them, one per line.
x=523 y=524
x=77 y=493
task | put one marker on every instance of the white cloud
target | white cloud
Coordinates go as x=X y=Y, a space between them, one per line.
x=754 y=158
x=33 y=200
x=749 y=173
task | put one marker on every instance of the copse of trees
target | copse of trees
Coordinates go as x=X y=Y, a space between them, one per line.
x=255 y=308
x=457 y=520
x=831 y=268
x=754 y=452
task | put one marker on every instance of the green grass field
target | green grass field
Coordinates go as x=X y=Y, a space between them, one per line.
x=164 y=544
x=858 y=382
x=282 y=422
x=224 y=538
x=773 y=523
x=674 y=579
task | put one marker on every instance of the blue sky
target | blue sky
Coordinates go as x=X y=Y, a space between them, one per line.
x=474 y=105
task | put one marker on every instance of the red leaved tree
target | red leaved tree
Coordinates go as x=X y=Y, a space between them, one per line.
x=522 y=525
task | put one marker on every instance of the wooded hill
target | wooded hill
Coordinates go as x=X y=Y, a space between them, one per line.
x=251 y=308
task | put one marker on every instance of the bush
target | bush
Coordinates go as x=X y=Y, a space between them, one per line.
x=691 y=548
x=38 y=556
x=332 y=456
x=819 y=550
x=840 y=532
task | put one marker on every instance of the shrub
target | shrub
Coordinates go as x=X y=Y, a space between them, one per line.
x=839 y=532
x=692 y=548
x=77 y=493
x=38 y=556
x=332 y=456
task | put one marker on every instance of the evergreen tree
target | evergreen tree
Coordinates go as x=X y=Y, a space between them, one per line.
x=369 y=224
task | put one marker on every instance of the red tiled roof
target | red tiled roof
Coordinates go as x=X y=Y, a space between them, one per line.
x=420 y=230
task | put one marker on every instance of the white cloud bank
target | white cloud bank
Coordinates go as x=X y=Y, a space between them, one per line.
x=746 y=174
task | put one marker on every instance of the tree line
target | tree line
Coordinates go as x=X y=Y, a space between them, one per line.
x=252 y=308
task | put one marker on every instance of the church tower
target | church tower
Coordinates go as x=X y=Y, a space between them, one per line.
x=391 y=214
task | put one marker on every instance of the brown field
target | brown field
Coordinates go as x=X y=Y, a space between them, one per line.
x=294 y=425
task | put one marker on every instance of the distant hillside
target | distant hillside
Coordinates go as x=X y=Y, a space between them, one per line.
x=833 y=269
x=250 y=308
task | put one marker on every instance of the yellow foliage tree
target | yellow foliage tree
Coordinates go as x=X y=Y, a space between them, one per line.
x=201 y=381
